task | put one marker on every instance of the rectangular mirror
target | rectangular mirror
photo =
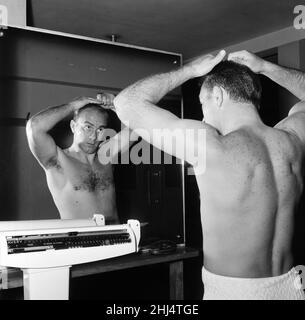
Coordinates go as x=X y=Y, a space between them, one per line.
x=41 y=69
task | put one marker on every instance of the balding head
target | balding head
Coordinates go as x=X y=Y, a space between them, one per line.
x=88 y=127
x=93 y=109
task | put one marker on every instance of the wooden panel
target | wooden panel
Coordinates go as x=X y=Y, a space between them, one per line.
x=43 y=56
x=176 y=280
x=120 y=263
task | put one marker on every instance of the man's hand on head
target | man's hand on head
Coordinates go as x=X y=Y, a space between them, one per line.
x=255 y=63
x=106 y=100
x=204 y=64
x=80 y=102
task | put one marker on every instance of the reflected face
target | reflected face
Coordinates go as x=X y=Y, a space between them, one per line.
x=89 y=130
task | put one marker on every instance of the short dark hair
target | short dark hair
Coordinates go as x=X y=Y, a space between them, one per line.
x=91 y=106
x=241 y=83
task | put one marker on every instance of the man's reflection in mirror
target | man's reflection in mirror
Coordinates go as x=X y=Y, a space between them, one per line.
x=79 y=178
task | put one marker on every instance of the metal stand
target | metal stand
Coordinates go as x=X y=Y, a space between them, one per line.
x=46 y=284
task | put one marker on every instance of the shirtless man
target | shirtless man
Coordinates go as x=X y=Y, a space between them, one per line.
x=253 y=177
x=80 y=182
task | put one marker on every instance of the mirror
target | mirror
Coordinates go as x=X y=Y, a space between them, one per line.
x=43 y=69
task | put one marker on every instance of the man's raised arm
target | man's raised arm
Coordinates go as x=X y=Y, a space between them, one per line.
x=40 y=142
x=136 y=105
x=292 y=80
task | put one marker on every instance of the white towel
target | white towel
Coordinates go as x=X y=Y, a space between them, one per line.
x=287 y=286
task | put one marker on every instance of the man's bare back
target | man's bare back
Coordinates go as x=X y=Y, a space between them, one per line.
x=249 y=175
x=248 y=199
x=81 y=190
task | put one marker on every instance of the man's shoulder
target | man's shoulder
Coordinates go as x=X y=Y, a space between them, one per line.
x=245 y=144
x=237 y=138
x=289 y=139
x=294 y=127
x=65 y=154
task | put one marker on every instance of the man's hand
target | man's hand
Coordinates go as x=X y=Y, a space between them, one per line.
x=204 y=64
x=106 y=100
x=255 y=63
x=80 y=102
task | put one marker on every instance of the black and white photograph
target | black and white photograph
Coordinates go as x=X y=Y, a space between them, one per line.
x=152 y=150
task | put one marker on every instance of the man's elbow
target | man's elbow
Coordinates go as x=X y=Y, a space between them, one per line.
x=299 y=107
x=29 y=128
x=120 y=103
x=32 y=127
